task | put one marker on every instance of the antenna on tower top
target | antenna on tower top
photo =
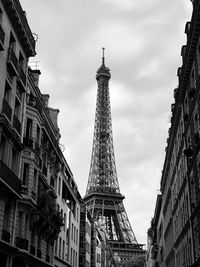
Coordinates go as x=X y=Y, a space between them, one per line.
x=103 y=58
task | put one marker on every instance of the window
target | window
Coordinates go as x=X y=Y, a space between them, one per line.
x=48 y=247
x=12 y=42
x=64 y=222
x=33 y=234
x=7 y=93
x=14 y=166
x=56 y=246
x=20 y=225
x=61 y=213
x=22 y=63
x=29 y=123
x=72 y=234
x=38 y=135
x=7 y=213
x=60 y=244
x=63 y=249
x=59 y=186
x=1 y=16
x=77 y=214
x=76 y=259
x=25 y=174
x=17 y=108
x=52 y=182
x=39 y=241
x=26 y=226
x=76 y=236
x=3 y=146
x=35 y=180
x=71 y=257
x=198 y=56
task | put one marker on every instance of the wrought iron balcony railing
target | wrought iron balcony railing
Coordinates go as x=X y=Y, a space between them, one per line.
x=8 y=176
x=2 y=38
x=24 y=190
x=7 y=110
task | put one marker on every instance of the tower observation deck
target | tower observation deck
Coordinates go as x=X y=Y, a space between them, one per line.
x=103 y=198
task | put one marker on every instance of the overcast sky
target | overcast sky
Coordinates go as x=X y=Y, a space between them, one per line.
x=143 y=41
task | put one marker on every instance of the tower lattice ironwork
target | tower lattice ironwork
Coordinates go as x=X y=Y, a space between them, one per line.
x=103 y=198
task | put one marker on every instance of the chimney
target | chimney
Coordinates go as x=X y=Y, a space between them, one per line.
x=45 y=97
x=53 y=113
x=36 y=75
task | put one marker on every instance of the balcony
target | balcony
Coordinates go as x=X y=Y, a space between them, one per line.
x=21 y=79
x=24 y=190
x=16 y=124
x=12 y=62
x=2 y=38
x=9 y=177
x=7 y=109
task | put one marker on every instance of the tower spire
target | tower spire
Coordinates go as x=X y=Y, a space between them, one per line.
x=103 y=56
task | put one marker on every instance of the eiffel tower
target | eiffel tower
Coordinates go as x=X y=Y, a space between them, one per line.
x=103 y=198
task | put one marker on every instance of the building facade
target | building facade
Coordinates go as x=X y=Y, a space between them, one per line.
x=68 y=203
x=39 y=199
x=176 y=228
x=16 y=46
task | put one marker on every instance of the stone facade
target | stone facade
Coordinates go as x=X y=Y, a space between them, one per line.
x=176 y=228
x=39 y=199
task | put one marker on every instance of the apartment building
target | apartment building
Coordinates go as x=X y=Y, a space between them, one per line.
x=16 y=46
x=39 y=199
x=38 y=221
x=176 y=237
x=68 y=203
